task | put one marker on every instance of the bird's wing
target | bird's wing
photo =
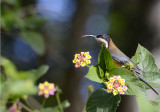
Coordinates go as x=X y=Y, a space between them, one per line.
x=123 y=60
x=120 y=59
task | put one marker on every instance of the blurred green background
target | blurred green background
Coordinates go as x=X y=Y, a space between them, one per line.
x=37 y=32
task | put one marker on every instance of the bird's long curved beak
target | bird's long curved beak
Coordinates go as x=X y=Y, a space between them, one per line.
x=93 y=36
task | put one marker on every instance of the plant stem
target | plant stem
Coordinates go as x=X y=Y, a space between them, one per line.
x=28 y=104
x=59 y=102
x=25 y=107
x=43 y=103
x=87 y=65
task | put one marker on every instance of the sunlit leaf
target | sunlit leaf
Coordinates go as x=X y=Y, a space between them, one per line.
x=41 y=71
x=92 y=75
x=147 y=64
x=21 y=87
x=105 y=60
x=145 y=59
x=100 y=72
x=33 y=74
x=9 y=68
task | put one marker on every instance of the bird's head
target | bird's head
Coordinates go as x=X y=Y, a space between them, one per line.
x=101 y=39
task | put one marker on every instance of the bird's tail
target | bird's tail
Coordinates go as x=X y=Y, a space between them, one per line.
x=149 y=86
x=141 y=79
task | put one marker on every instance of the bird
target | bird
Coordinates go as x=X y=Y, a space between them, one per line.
x=119 y=58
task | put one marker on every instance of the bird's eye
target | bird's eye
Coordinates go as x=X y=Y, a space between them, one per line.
x=102 y=36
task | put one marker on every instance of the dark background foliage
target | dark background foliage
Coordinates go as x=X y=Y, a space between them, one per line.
x=36 y=32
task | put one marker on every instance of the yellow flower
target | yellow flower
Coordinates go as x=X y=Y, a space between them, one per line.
x=82 y=59
x=116 y=85
x=83 y=64
x=86 y=53
x=109 y=90
x=108 y=83
x=119 y=89
x=121 y=92
x=76 y=55
x=85 y=59
x=109 y=86
x=88 y=57
x=119 y=81
x=88 y=61
x=111 y=79
x=75 y=61
x=82 y=53
x=46 y=89
x=51 y=86
x=46 y=83
x=41 y=86
x=119 y=77
x=122 y=83
x=115 y=92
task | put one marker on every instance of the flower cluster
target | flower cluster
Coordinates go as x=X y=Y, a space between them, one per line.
x=46 y=89
x=82 y=59
x=116 y=85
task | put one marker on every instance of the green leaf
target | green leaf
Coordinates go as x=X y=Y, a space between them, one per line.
x=12 y=2
x=134 y=88
x=8 y=19
x=105 y=60
x=156 y=104
x=147 y=105
x=2 y=79
x=36 y=111
x=124 y=73
x=19 y=87
x=133 y=84
x=35 y=40
x=147 y=64
x=33 y=74
x=34 y=22
x=41 y=71
x=145 y=59
x=11 y=19
x=22 y=87
x=101 y=73
x=101 y=101
x=92 y=75
x=9 y=68
x=153 y=78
